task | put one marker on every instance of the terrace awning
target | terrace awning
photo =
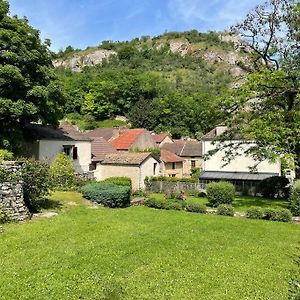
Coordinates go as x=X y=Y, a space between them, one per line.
x=218 y=175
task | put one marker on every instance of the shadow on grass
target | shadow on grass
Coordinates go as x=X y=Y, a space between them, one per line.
x=49 y=204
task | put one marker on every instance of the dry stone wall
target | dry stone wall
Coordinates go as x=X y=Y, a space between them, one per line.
x=11 y=194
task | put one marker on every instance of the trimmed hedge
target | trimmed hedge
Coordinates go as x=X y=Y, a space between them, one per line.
x=108 y=194
x=271 y=214
x=121 y=181
x=254 y=213
x=164 y=204
x=220 y=193
x=225 y=210
x=196 y=208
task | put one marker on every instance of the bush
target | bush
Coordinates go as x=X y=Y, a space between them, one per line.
x=3 y=218
x=277 y=214
x=63 y=173
x=37 y=183
x=225 y=210
x=193 y=193
x=175 y=205
x=254 y=213
x=220 y=193
x=196 y=208
x=156 y=203
x=5 y=155
x=170 y=179
x=121 y=181
x=295 y=199
x=109 y=195
x=275 y=187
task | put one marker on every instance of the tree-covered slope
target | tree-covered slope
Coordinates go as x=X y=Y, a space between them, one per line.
x=173 y=82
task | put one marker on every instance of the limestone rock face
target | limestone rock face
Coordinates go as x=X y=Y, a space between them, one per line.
x=78 y=61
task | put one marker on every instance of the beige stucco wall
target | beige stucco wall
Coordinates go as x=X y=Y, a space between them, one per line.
x=144 y=141
x=48 y=149
x=187 y=165
x=239 y=164
x=136 y=173
x=166 y=169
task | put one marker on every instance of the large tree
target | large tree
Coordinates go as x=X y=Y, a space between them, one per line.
x=29 y=90
x=265 y=107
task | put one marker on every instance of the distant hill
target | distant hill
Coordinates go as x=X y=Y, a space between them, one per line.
x=174 y=82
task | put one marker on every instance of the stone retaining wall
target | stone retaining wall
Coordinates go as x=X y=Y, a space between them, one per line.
x=11 y=195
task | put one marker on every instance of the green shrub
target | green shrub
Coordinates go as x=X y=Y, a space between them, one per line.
x=63 y=173
x=5 y=155
x=156 y=203
x=108 y=194
x=3 y=217
x=278 y=214
x=170 y=179
x=275 y=187
x=295 y=199
x=37 y=183
x=196 y=208
x=122 y=181
x=220 y=193
x=254 y=213
x=193 y=193
x=225 y=210
x=175 y=205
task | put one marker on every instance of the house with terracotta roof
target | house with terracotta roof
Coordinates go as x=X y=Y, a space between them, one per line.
x=136 y=166
x=189 y=151
x=132 y=139
x=162 y=138
x=45 y=142
x=106 y=133
x=239 y=170
x=171 y=164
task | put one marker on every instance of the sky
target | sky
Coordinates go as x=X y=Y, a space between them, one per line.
x=83 y=23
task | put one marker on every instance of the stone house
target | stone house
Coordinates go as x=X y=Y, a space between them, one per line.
x=171 y=164
x=45 y=142
x=239 y=170
x=189 y=151
x=161 y=139
x=131 y=139
x=136 y=166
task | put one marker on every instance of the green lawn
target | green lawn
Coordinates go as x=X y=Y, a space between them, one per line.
x=240 y=203
x=144 y=253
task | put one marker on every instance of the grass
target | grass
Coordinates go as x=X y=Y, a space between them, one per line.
x=240 y=203
x=143 y=253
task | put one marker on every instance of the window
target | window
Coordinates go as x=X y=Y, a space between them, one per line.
x=67 y=149
x=173 y=165
x=193 y=163
x=75 y=153
x=154 y=168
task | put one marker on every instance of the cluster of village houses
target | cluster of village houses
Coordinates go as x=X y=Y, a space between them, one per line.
x=110 y=152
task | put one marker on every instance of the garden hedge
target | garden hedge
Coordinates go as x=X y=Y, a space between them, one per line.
x=108 y=194
x=220 y=193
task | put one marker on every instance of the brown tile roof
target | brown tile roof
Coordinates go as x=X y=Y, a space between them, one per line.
x=100 y=148
x=158 y=138
x=126 y=139
x=72 y=131
x=184 y=148
x=169 y=157
x=106 y=133
x=65 y=133
x=126 y=158
x=210 y=135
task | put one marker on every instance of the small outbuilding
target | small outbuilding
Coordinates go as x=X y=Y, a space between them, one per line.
x=136 y=166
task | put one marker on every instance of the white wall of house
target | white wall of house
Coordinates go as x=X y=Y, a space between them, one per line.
x=48 y=149
x=137 y=173
x=239 y=164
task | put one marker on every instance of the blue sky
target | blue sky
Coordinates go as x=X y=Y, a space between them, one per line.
x=83 y=23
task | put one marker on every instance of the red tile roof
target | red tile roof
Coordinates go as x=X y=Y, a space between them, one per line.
x=100 y=148
x=169 y=157
x=125 y=141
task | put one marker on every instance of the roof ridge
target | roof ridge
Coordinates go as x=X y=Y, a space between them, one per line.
x=183 y=148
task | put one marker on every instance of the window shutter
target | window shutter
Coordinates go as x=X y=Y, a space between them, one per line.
x=75 y=153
